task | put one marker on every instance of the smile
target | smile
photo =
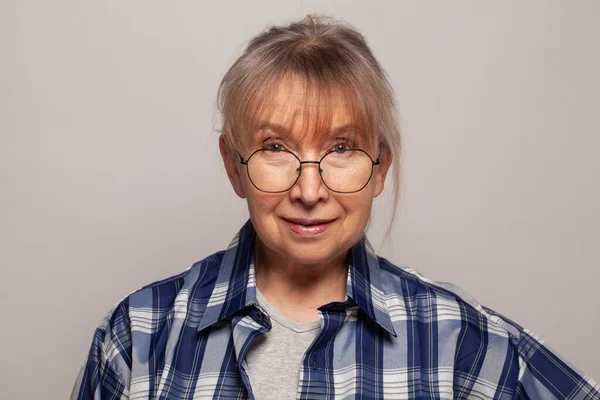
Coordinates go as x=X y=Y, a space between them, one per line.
x=307 y=228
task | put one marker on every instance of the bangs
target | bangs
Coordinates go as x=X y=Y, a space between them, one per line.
x=309 y=107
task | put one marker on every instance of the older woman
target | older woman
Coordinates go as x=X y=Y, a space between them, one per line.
x=299 y=306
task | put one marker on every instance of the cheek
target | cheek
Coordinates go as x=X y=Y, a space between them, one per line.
x=357 y=206
x=261 y=205
x=262 y=208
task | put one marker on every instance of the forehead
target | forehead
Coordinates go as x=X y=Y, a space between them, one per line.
x=290 y=94
x=305 y=112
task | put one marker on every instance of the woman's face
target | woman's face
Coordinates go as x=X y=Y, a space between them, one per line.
x=280 y=218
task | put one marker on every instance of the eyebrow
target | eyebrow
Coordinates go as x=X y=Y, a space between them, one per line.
x=282 y=130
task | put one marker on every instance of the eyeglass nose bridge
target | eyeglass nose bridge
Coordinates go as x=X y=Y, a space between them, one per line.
x=299 y=169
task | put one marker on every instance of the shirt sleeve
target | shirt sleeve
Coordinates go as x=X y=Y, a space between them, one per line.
x=107 y=370
x=543 y=374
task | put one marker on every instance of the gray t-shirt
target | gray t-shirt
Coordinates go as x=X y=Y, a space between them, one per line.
x=274 y=360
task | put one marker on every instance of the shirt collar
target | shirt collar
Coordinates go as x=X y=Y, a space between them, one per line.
x=235 y=287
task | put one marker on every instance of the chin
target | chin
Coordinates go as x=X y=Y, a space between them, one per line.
x=315 y=253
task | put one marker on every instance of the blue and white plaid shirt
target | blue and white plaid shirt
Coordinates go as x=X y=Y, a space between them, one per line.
x=398 y=335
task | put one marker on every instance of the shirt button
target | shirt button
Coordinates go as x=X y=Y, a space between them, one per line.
x=258 y=316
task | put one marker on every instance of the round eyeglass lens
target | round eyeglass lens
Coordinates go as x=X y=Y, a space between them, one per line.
x=346 y=171
x=273 y=171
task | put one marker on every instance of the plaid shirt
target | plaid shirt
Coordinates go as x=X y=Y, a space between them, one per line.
x=398 y=335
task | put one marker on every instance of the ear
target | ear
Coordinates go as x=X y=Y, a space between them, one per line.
x=385 y=161
x=231 y=166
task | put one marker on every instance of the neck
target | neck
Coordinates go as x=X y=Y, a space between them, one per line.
x=298 y=289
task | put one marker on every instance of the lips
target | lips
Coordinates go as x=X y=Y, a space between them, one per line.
x=308 y=222
x=308 y=227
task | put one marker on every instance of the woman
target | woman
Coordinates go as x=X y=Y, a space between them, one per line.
x=299 y=306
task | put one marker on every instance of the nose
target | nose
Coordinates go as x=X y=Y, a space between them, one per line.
x=309 y=187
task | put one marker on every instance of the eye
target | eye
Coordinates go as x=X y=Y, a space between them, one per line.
x=343 y=146
x=274 y=147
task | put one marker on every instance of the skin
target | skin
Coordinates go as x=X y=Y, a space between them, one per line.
x=298 y=274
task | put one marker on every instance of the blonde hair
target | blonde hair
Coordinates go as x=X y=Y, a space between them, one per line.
x=331 y=59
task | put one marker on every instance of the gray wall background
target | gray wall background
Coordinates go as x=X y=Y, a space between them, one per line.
x=110 y=176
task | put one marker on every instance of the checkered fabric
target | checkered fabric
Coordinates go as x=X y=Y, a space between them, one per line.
x=398 y=335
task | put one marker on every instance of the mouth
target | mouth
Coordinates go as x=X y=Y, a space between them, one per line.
x=308 y=227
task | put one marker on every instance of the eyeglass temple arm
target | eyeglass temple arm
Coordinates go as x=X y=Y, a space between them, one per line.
x=378 y=161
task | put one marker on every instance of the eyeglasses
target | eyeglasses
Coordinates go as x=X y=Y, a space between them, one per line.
x=278 y=170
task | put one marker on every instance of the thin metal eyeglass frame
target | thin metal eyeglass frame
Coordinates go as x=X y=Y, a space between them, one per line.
x=299 y=169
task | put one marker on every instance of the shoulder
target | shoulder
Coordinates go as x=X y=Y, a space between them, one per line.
x=476 y=340
x=485 y=346
x=133 y=321
x=200 y=275
x=155 y=300
x=148 y=309
x=451 y=300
